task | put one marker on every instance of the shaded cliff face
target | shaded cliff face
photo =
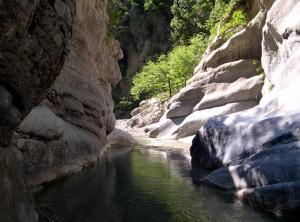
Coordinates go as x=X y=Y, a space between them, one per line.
x=34 y=42
x=34 y=37
x=68 y=129
x=39 y=41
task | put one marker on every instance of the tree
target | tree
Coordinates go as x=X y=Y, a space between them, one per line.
x=169 y=74
x=189 y=18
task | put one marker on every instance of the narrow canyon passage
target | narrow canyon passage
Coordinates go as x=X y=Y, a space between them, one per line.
x=149 y=110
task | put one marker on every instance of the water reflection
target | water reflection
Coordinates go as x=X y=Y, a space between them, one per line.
x=139 y=185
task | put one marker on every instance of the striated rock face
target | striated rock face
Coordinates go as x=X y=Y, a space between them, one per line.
x=228 y=79
x=68 y=129
x=258 y=149
x=34 y=42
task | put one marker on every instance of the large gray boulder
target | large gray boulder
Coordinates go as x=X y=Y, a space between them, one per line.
x=259 y=148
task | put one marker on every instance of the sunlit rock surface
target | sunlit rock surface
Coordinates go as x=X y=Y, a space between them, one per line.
x=260 y=146
x=149 y=111
x=228 y=79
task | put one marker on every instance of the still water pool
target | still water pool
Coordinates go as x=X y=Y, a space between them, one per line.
x=140 y=185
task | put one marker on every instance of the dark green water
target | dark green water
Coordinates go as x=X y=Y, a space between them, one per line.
x=140 y=185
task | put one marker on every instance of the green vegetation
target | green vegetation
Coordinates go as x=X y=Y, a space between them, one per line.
x=259 y=69
x=125 y=104
x=165 y=77
x=119 y=9
x=226 y=18
x=116 y=11
x=157 y=4
x=206 y=17
x=236 y=23
x=189 y=18
x=169 y=73
x=195 y=23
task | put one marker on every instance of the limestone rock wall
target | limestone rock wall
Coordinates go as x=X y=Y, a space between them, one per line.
x=68 y=129
x=39 y=41
x=228 y=79
x=257 y=151
x=34 y=41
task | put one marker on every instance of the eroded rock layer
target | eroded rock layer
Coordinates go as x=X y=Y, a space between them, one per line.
x=228 y=79
x=41 y=40
x=68 y=129
x=257 y=151
x=34 y=42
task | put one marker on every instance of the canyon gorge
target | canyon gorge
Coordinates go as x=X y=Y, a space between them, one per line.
x=60 y=65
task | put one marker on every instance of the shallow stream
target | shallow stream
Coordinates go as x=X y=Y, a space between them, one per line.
x=140 y=185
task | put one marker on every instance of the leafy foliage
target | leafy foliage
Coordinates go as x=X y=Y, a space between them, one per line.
x=194 y=25
x=170 y=73
x=119 y=9
x=157 y=4
x=189 y=18
x=226 y=19
x=235 y=24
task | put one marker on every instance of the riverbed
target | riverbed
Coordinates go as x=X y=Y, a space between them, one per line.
x=141 y=184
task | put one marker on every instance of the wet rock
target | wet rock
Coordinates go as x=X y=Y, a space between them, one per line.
x=281 y=199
